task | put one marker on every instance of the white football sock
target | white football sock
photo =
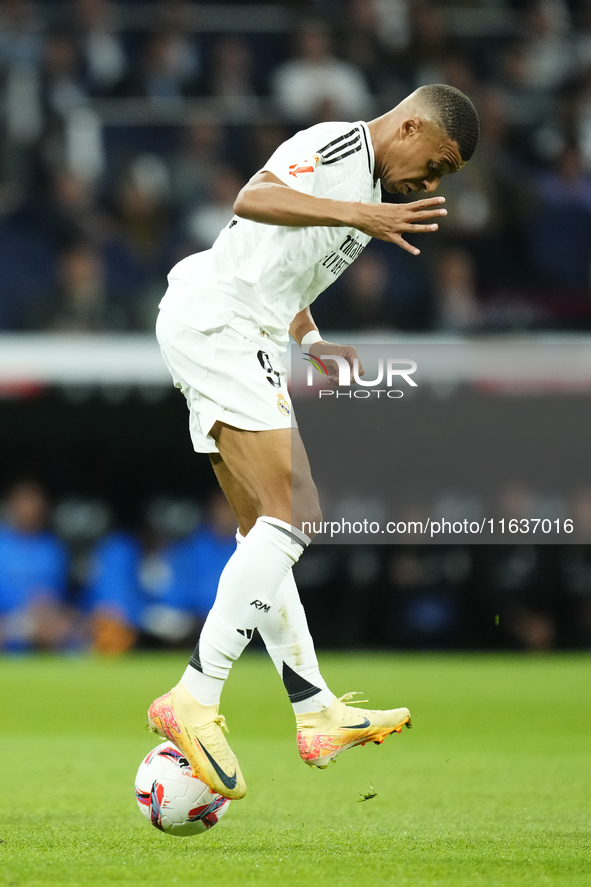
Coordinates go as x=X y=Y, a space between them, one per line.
x=207 y=690
x=286 y=635
x=247 y=589
x=284 y=630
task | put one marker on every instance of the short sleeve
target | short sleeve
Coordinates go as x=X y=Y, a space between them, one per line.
x=58 y=566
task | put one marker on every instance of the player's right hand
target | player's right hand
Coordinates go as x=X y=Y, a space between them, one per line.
x=389 y=221
x=321 y=349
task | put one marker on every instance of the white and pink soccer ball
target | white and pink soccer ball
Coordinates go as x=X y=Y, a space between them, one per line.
x=171 y=798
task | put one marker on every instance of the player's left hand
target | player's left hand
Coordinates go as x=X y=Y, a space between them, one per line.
x=346 y=351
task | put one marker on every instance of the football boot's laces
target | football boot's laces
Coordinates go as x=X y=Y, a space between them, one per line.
x=221 y=722
x=348 y=698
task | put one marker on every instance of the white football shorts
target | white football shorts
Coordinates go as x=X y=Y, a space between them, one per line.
x=225 y=377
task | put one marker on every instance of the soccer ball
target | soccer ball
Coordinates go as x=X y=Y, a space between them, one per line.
x=171 y=798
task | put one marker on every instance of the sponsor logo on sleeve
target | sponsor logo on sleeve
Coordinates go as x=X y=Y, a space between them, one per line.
x=306 y=166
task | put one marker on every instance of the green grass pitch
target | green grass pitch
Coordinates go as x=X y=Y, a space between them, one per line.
x=491 y=786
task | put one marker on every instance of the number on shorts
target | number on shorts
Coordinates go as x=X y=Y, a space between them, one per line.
x=273 y=377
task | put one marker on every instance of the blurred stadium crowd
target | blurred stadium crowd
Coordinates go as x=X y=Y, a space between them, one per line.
x=126 y=130
x=81 y=585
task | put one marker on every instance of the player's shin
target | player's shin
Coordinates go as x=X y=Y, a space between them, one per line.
x=289 y=643
x=247 y=592
x=285 y=633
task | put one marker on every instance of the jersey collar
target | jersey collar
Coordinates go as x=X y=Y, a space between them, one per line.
x=371 y=160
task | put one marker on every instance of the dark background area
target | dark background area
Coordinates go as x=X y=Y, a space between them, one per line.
x=131 y=452
x=126 y=130
x=471 y=454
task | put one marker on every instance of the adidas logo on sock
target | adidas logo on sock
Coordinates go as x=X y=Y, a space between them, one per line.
x=246 y=632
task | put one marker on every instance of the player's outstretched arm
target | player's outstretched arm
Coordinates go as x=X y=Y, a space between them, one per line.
x=266 y=199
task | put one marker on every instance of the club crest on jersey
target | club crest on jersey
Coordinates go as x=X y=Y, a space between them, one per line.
x=305 y=166
x=282 y=405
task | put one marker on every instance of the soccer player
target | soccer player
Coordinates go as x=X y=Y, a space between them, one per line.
x=223 y=326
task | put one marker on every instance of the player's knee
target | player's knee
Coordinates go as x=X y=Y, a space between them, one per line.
x=304 y=498
x=315 y=514
x=308 y=517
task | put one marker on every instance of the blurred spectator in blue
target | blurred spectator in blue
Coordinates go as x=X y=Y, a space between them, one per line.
x=102 y=49
x=559 y=231
x=315 y=85
x=112 y=595
x=423 y=605
x=33 y=575
x=129 y=580
x=132 y=577
x=198 y=561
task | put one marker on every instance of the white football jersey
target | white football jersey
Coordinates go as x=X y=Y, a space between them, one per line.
x=265 y=274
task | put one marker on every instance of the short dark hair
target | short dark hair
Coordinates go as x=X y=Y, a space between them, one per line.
x=455 y=114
